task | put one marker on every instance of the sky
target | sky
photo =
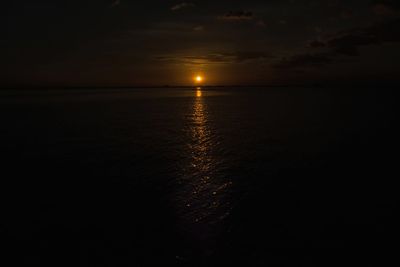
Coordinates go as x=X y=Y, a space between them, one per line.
x=156 y=43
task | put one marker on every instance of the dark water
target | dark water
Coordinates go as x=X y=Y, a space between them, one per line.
x=257 y=176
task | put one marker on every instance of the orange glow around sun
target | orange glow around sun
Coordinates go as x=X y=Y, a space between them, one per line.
x=198 y=78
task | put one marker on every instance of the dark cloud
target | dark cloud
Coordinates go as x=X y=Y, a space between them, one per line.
x=261 y=23
x=385 y=7
x=389 y=3
x=282 y=22
x=115 y=3
x=252 y=56
x=345 y=44
x=382 y=10
x=198 y=28
x=347 y=14
x=238 y=15
x=349 y=42
x=305 y=61
x=216 y=58
x=317 y=44
x=181 y=6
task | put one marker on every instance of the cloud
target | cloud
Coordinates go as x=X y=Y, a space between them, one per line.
x=237 y=16
x=305 y=61
x=251 y=56
x=115 y=3
x=385 y=7
x=345 y=43
x=348 y=43
x=261 y=23
x=181 y=6
x=282 y=22
x=382 y=10
x=347 y=14
x=198 y=28
x=216 y=58
x=395 y=4
x=316 y=44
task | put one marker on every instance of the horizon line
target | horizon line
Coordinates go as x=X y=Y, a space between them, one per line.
x=309 y=84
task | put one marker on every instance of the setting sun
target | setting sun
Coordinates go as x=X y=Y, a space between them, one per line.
x=198 y=79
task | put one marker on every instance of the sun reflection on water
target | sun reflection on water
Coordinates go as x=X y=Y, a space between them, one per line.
x=198 y=92
x=204 y=188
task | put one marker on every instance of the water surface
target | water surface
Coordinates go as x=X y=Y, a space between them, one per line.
x=195 y=175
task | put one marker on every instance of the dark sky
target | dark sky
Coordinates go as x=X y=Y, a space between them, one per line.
x=126 y=42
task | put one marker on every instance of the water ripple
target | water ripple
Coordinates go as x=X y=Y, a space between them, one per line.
x=203 y=195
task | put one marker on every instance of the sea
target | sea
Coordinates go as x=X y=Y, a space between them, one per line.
x=269 y=176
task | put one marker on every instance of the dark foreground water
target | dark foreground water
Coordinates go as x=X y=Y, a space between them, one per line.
x=215 y=175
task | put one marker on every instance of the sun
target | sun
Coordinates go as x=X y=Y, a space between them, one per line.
x=198 y=78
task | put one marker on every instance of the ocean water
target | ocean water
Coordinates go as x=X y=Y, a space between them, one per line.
x=198 y=175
